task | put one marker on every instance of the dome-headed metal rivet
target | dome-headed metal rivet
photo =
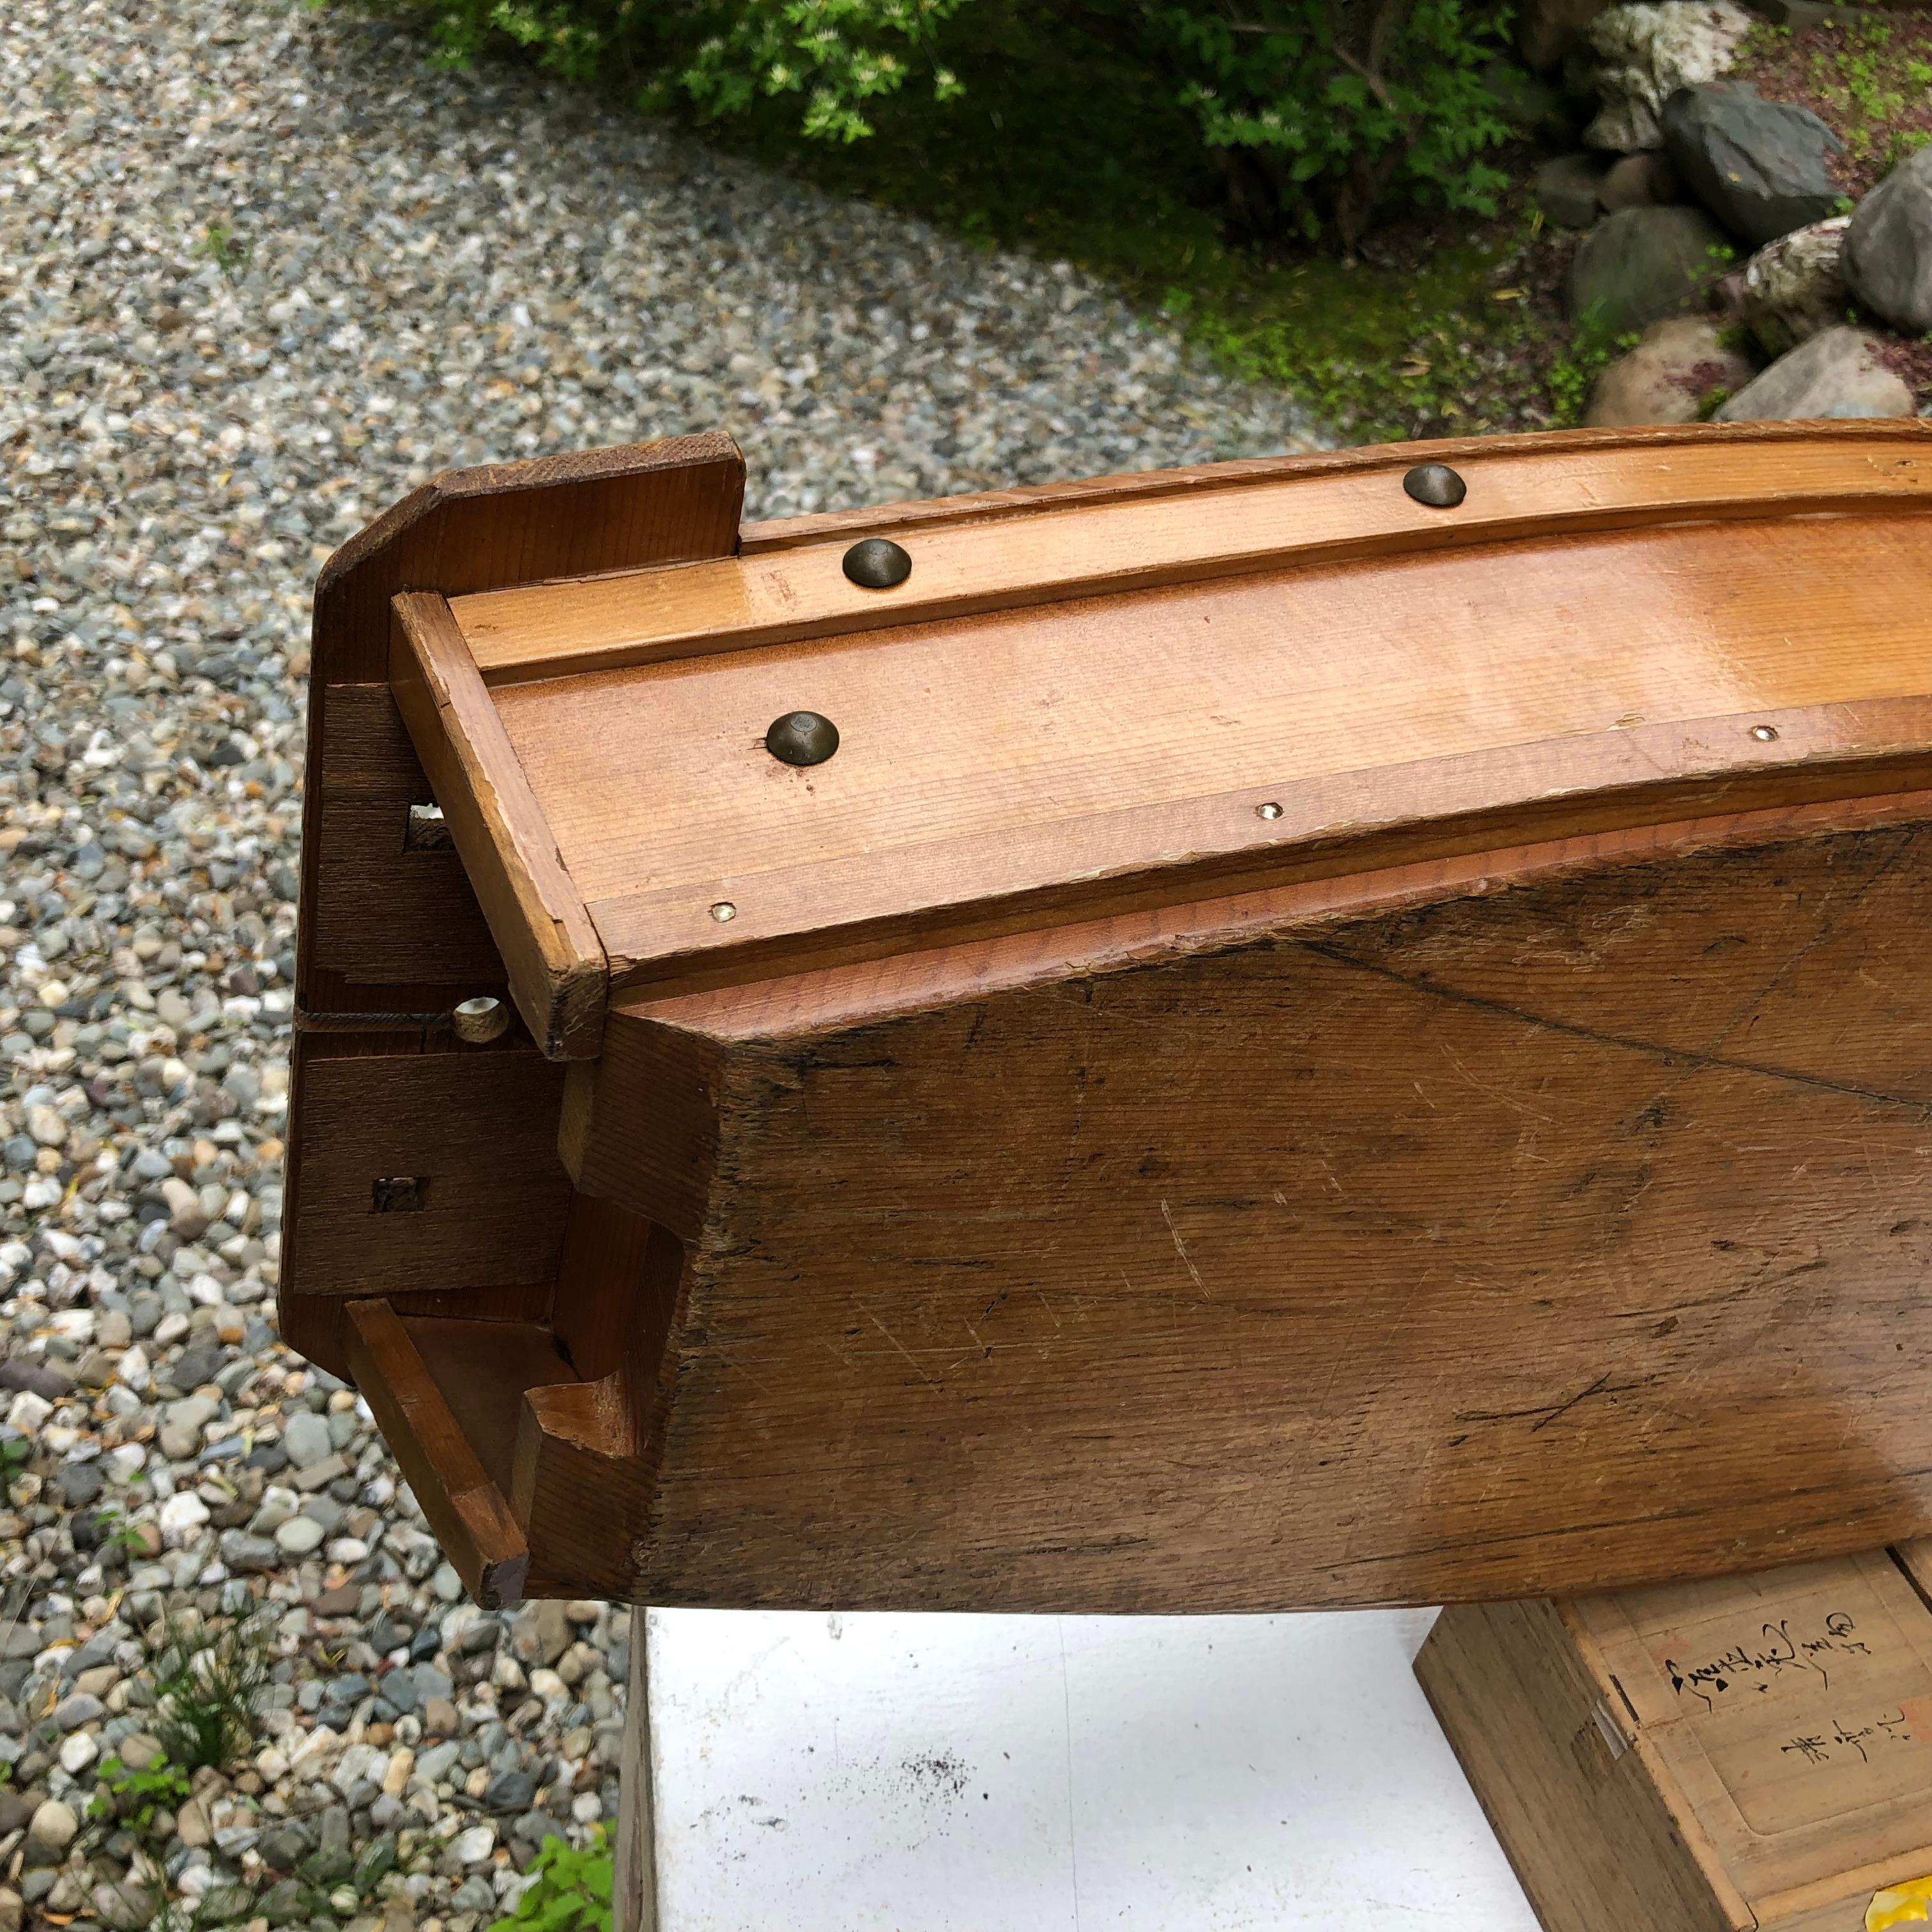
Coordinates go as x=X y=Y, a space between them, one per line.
x=877 y=564
x=1436 y=484
x=801 y=738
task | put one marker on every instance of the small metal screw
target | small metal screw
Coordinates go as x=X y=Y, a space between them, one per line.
x=1271 y=810
x=480 y=1020
x=877 y=564
x=1436 y=484
x=801 y=738
x=1764 y=734
x=723 y=910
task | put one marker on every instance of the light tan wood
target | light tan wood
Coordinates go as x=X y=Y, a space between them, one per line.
x=1779 y=1726
x=1579 y=1805
x=1052 y=552
x=464 y=1506
x=557 y=971
x=999 y=772
x=465 y=530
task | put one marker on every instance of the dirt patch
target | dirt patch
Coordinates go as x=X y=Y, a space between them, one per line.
x=1912 y=362
x=1867 y=75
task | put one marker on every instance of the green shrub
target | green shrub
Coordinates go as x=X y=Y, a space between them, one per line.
x=1327 y=115
x=1318 y=114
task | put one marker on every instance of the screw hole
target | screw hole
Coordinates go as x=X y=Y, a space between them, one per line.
x=1764 y=734
x=1271 y=810
x=723 y=910
x=427 y=831
x=399 y=1194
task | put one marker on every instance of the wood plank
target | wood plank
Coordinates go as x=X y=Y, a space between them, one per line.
x=478 y=530
x=1751 y=1751
x=1585 y=1821
x=1122 y=751
x=1200 y=480
x=476 y=1128
x=1757 y=1687
x=1053 y=552
x=1390 y=1273
x=464 y=1506
x=384 y=915
x=557 y=971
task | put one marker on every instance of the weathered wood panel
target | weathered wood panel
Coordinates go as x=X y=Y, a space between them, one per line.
x=1503 y=1245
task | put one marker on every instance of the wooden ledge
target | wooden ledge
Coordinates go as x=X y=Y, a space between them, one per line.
x=1011 y=557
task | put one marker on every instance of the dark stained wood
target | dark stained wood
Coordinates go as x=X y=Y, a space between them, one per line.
x=478 y=1126
x=1412 y=1292
x=464 y=1506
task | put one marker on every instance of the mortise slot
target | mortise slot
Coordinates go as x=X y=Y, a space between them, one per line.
x=427 y=830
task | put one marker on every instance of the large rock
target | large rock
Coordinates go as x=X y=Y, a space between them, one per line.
x=1566 y=189
x=1887 y=256
x=1794 y=288
x=1669 y=377
x=1642 y=264
x=1639 y=180
x=1758 y=166
x=1646 y=51
x=1837 y=373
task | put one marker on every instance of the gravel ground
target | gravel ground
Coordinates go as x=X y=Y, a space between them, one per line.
x=261 y=272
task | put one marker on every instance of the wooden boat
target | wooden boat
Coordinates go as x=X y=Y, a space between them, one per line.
x=1336 y=1030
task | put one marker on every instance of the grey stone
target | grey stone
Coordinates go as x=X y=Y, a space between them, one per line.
x=305 y=1439
x=70 y=1713
x=1794 y=288
x=79 y=1482
x=1642 y=264
x=511 y=1791
x=1567 y=188
x=1836 y=374
x=300 y=1536
x=1758 y=166
x=1671 y=374
x=1887 y=261
x=1645 y=52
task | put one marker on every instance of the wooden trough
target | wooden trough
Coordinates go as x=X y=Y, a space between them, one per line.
x=1338 y=1031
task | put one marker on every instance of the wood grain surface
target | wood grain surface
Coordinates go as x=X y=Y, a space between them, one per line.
x=558 y=974
x=465 y=530
x=1746 y=1752
x=1002 y=771
x=1316 y=1052
x=1054 y=550
x=1538 y=1236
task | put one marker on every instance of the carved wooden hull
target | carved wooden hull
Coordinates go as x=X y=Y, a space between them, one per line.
x=1306 y=1049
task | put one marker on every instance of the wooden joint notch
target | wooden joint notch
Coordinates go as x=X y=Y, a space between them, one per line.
x=558 y=976
x=466 y=1509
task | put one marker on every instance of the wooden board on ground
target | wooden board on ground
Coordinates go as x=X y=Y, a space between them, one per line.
x=1750 y=1752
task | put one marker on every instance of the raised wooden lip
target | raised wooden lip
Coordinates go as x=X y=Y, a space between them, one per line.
x=984 y=555
x=1458 y=807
